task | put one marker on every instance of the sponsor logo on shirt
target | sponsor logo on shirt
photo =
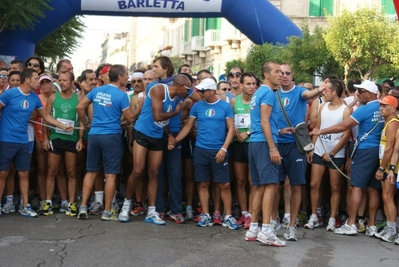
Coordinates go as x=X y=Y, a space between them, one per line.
x=285 y=101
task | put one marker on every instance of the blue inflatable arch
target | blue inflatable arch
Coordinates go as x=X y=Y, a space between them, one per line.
x=260 y=20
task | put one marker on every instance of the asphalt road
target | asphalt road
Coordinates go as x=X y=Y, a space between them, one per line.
x=60 y=240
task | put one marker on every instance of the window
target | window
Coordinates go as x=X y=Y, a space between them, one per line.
x=195 y=27
x=388 y=7
x=318 y=7
x=213 y=24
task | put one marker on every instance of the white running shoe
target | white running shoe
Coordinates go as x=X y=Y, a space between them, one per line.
x=331 y=225
x=313 y=222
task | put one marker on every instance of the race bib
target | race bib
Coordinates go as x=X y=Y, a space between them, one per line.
x=67 y=122
x=326 y=138
x=242 y=121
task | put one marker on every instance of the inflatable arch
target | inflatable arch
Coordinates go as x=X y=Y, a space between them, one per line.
x=260 y=20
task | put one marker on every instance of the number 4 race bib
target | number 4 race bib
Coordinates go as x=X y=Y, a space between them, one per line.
x=242 y=121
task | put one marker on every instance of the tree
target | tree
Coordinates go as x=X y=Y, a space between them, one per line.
x=21 y=14
x=235 y=63
x=309 y=56
x=363 y=40
x=62 y=42
x=260 y=54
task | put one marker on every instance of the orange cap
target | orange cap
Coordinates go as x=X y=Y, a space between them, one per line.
x=389 y=100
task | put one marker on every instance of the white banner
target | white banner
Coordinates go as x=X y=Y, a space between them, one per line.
x=153 y=6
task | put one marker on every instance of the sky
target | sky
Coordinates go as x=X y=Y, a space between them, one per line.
x=96 y=28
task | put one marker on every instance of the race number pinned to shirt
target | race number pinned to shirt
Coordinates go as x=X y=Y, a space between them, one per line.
x=242 y=121
x=67 y=122
x=381 y=151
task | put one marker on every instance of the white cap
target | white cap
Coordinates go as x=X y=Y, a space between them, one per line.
x=206 y=84
x=368 y=85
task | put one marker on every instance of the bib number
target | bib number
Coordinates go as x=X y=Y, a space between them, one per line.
x=242 y=121
x=67 y=122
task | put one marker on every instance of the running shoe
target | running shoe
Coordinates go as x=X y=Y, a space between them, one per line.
x=371 y=231
x=389 y=235
x=82 y=214
x=217 y=218
x=205 y=220
x=198 y=217
x=361 y=226
x=241 y=220
x=109 y=215
x=290 y=234
x=230 y=223
x=286 y=222
x=64 y=206
x=189 y=214
x=47 y=209
x=137 y=210
x=247 y=222
x=72 y=210
x=346 y=229
x=28 y=212
x=270 y=239
x=96 y=209
x=8 y=207
x=313 y=222
x=124 y=214
x=154 y=218
x=177 y=218
x=331 y=225
x=396 y=241
x=251 y=235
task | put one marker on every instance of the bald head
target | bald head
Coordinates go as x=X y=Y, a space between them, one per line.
x=182 y=79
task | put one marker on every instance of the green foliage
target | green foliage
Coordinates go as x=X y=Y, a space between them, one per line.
x=235 y=63
x=362 y=40
x=21 y=14
x=260 y=54
x=309 y=55
x=177 y=62
x=62 y=42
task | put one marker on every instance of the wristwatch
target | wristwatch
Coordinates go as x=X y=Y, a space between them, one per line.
x=249 y=133
x=392 y=167
x=381 y=169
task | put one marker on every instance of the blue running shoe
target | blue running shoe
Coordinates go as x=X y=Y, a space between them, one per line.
x=205 y=221
x=231 y=223
x=154 y=218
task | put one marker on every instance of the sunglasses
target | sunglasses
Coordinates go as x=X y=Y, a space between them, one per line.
x=286 y=73
x=137 y=81
x=226 y=89
x=33 y=65
x=361 y=91
x=203 y=91
x=234 y=74
x=3 y=76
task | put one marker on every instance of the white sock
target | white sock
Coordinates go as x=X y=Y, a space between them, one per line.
x=391 y=225
x=64 y=202
x=151 y=209
x=254 y=227
x=189 y=208
x=49 y=201
x=265 y=228
x=244 y=213
x=286 y=215
x=99 y=196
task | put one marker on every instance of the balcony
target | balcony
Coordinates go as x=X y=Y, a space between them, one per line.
x=232 y=34
x=213 y=38
x=197 y=43
x=185 y=49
